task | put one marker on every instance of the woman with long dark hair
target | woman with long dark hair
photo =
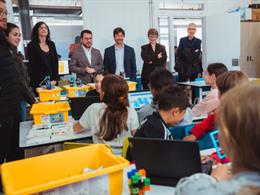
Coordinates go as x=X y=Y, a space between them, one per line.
x=113 y=120
x=42 y=55
x=13 y=37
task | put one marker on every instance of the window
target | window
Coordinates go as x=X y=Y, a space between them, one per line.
x=181 y=6
x=164 y=34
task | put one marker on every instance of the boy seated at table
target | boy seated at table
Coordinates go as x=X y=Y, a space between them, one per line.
x=172 y=104
x=211 y=101
x=160 y=79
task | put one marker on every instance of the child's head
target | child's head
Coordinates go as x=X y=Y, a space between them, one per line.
x=238 y=118
x=98 y=79
x=160 y=79
x=230 y=79
x=114 y=93
x=173 y=101
x=213 y=71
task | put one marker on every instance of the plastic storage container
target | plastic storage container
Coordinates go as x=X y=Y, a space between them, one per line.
x=79 y=91
x=91 y=86
x=50 y=113
x=51 y=171
x=131 y=85
x=49 y=94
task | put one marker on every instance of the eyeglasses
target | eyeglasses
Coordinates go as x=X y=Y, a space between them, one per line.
x=4 y=13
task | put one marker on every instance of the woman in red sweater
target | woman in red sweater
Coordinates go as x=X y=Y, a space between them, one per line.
x=225 y=82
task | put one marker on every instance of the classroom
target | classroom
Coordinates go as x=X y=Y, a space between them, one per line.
x=138 y=97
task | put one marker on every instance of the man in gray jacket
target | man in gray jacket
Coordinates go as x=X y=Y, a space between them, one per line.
x=86 y=60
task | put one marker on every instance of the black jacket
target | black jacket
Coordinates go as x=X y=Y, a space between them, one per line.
x=37 y=68
x=27 y=93
x=189 y=57
x=129 y=61
x=9 y=98
x=148 y=55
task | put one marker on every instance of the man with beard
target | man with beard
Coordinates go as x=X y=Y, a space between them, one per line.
x=86 y=60
x=119 y=59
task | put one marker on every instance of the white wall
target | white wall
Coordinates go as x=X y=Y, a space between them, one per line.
x=63 y=36
x=102 y=16
x=221 y=37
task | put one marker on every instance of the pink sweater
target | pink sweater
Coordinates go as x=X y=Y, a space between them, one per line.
x=207 y=105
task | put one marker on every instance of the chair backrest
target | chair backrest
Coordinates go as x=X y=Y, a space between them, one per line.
x=125 y=147
x=178 y=132
x=204 y=142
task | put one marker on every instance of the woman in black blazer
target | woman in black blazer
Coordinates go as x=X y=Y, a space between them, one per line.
x=154 y=56
x=42 y=55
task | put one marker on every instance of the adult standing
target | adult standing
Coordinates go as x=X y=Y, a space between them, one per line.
x=154 y=56
x=119 y=59
x=86 y=60
x=9 y=98
x=188 y=57
x=42 y=55
x=13 y=37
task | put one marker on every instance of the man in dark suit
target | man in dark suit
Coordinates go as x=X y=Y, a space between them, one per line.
x=188 y=56
x=86 y=60
x=119 y=59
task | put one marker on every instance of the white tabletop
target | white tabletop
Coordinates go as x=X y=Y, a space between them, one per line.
x=26 y=126
x=199 y=118
x=161 y=190
x=194 y=83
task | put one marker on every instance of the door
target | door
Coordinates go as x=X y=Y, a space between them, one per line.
x=244 y=47
x=254 y=49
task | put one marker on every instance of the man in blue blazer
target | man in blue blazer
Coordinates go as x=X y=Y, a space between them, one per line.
x=119 y=59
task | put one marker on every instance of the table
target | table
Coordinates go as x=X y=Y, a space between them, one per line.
x=199 y=118
x=167 y=190
x=197 y=84
x=26 y=126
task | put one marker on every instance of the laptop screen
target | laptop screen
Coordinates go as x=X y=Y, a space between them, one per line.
x=139 y=99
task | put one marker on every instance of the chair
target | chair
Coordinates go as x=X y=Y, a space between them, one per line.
x=125 y=147
x=204 y=141
x=178 y=132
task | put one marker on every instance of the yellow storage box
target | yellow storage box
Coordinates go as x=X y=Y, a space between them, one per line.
x=91 y=86
x=50 y=113
x=49 y=94
x=76 y=91
x=51 y=171
x=131 y=85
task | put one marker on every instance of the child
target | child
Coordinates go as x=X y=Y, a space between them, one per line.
x=211 y=101
x=172 y=103
x=159 y=79
x=225 y=82
x=113 y=120
x=98 y=79
x=238 y=119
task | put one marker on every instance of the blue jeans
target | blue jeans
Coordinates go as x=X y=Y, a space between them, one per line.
x=23 y=110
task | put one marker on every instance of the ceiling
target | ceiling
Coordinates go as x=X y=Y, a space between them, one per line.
x=52 y=7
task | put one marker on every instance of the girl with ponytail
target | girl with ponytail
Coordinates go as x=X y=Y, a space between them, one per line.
x=112 y=120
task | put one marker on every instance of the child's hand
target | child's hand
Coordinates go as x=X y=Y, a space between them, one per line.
x=190 y=138
x=221 y=172
x=205 y=159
